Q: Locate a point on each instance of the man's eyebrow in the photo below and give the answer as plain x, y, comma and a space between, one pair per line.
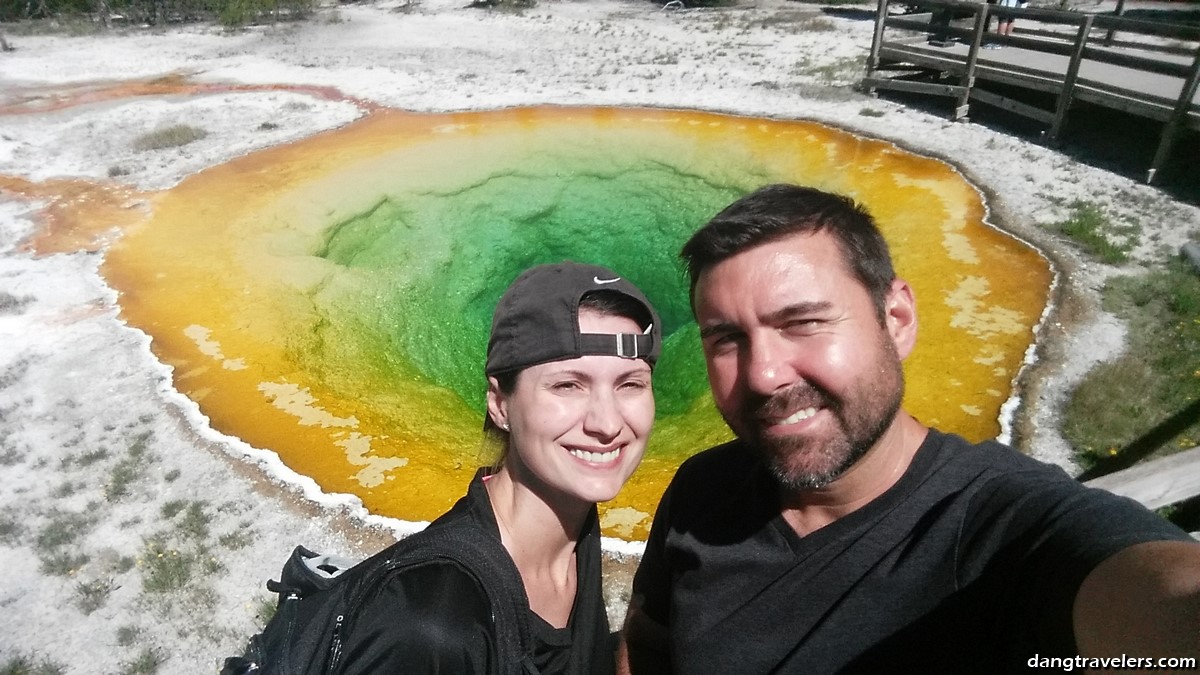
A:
798, 309
722, 328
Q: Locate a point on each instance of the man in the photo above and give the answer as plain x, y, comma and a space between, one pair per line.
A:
839, 534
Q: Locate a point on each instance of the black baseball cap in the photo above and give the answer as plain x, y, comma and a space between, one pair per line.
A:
537, 319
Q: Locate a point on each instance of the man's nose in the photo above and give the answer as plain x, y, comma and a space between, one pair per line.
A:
768, 366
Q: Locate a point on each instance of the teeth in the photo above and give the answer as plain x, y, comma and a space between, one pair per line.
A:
597, 457
798, 415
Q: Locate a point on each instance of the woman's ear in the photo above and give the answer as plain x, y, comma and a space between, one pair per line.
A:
497, 404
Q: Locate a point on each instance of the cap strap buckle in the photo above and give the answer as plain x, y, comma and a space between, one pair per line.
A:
627, 345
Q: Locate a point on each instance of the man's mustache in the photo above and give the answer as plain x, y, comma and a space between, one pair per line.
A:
787, 401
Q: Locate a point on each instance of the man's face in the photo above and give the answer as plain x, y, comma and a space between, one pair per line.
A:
798, 360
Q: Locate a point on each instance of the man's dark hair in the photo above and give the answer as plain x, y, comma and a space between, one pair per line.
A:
777, 211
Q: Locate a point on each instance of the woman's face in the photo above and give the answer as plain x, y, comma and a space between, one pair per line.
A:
577, 428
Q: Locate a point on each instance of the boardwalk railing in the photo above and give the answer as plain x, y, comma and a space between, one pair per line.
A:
1157, 483
1150, 69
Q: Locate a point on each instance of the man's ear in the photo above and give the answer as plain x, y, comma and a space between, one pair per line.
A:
900, 317
497, 404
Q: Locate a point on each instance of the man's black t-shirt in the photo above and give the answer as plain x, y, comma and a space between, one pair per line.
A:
970, 563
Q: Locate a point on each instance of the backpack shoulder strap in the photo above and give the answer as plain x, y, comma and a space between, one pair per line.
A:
480, 555
485, 558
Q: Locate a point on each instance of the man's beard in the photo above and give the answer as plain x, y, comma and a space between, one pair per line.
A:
862, 418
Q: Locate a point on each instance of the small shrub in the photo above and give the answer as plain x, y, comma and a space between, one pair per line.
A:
146, 663
172, 475
10, 529
64, 490
168, 137
871, 112
91, 595
127, 635
90, 458
11, 304
235, 541
171, 508
63, 529
120, 478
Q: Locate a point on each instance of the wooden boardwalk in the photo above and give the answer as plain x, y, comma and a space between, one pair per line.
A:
1157, 483
1149, 69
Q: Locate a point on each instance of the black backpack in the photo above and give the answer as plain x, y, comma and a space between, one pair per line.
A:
318, 596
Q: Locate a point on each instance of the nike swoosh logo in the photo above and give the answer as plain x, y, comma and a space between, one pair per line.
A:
605, 281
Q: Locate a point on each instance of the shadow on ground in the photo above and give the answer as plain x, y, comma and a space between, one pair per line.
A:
1116, 141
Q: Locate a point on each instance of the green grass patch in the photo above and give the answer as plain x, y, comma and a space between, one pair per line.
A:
168, 137
1158, 376
166, 569
63, 529
195, 521
29, 665
130, 469
1090, 227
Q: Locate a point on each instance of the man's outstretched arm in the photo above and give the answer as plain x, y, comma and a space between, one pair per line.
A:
643, 648
1142, 601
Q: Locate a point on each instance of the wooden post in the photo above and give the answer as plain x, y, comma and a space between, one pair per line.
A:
1120, 11
876, 40
1173, 125
968, 81
1064, 97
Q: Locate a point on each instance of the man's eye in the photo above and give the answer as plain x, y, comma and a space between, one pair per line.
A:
801, 325
722, 343
566, 385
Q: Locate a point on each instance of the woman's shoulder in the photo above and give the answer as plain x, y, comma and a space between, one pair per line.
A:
430, 614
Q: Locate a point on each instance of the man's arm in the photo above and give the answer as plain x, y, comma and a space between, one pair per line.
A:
1142, 601
643, 648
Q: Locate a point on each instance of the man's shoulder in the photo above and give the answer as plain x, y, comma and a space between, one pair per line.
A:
990, 459
718, 464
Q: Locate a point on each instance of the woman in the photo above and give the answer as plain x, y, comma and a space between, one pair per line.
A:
569, 398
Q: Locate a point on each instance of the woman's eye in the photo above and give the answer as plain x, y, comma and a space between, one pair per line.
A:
568, 385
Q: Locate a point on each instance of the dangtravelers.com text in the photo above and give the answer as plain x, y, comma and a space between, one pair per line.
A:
1069, 663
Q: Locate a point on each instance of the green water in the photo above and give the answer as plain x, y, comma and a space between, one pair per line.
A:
435, 265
